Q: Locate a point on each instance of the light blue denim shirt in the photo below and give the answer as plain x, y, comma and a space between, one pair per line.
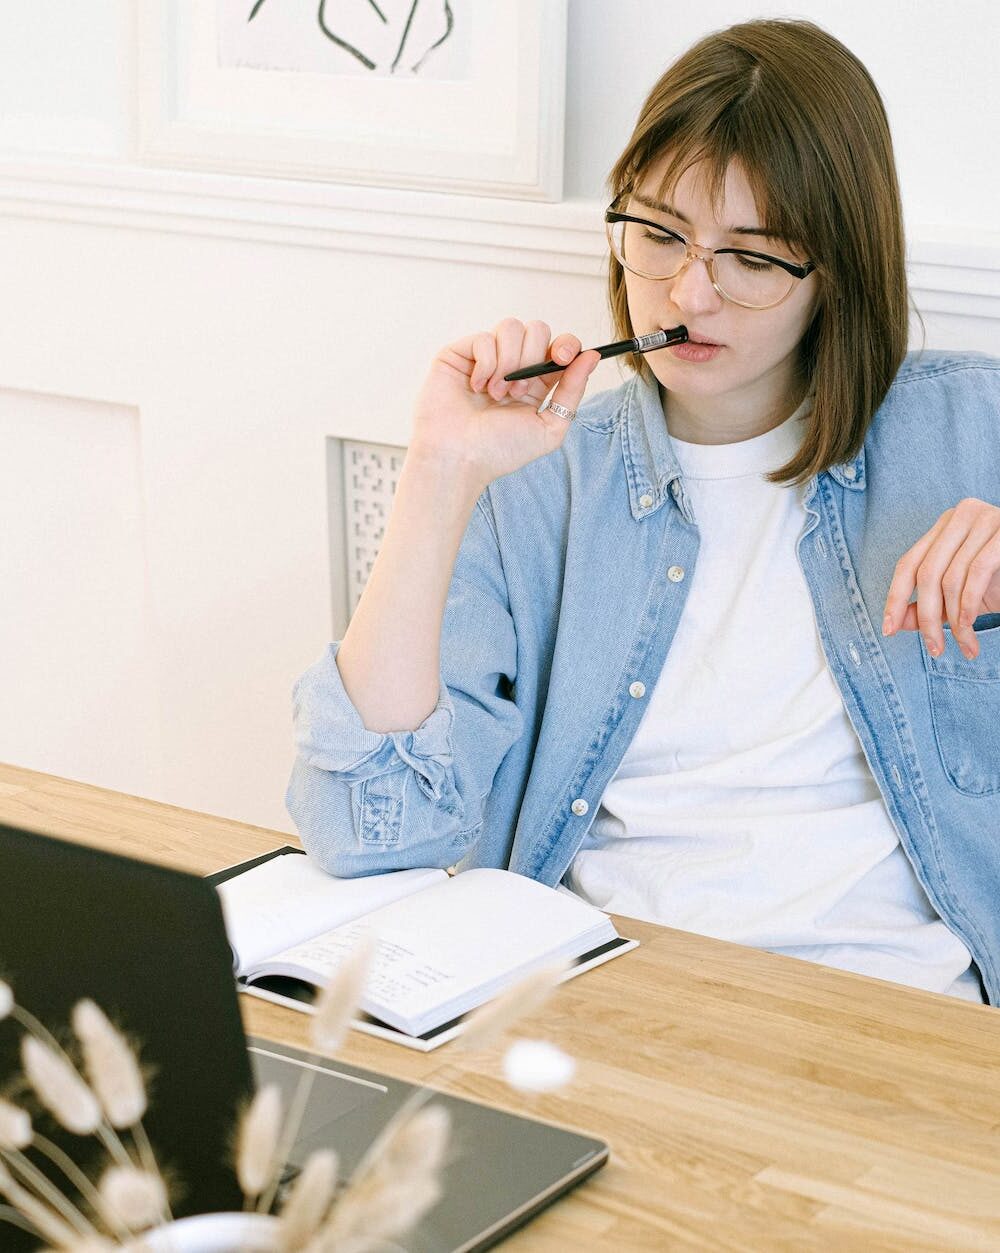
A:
571, 578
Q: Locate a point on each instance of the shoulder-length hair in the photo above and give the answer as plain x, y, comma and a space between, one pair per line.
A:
805, 121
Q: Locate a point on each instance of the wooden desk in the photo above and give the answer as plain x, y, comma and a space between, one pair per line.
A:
751, 1101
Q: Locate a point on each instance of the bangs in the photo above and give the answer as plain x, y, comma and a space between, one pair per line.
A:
711, 133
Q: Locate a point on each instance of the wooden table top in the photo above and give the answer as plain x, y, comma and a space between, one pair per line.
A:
750, 1101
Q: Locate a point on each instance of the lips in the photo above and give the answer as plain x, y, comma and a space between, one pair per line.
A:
693, 339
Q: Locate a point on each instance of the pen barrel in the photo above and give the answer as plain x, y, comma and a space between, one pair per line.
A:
533, 371
640, 343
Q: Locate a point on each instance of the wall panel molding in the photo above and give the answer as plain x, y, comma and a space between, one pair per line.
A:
952, 276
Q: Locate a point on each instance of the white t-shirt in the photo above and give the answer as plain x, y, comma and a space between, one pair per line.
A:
744, 807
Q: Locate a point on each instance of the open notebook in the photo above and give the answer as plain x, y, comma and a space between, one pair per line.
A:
447, 943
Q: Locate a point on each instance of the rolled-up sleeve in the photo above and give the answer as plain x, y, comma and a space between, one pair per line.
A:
367, 801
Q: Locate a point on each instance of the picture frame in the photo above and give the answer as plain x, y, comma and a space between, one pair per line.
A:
223, 94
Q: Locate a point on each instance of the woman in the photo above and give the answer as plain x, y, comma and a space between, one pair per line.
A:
637, 645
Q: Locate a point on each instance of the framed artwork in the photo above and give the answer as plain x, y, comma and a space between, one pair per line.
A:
448, 95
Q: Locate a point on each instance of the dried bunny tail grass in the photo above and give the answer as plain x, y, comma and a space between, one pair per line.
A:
115, 1076
111, 1066
397, 1209
83, 1184
257, 1141
398, 1189
133, 1196
419, 1144
15, 1126
46, 1223
338, 1002
91, 1244
308, 1201
335, 1008
53, 1062
486, 1025
60, 1088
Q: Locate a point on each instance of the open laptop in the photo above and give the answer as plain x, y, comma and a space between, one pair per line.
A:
148, 944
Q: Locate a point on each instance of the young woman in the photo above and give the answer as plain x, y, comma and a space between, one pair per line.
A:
637, 645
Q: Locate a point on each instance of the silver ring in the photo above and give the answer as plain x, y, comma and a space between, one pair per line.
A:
561, 410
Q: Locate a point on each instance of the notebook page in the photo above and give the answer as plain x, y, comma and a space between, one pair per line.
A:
288, 899
443, 944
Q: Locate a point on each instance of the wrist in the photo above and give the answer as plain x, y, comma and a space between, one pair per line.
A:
445, 469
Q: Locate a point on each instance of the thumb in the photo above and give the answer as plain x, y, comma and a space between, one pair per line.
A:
572, 383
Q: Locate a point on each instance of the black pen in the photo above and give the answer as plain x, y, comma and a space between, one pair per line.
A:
641, 343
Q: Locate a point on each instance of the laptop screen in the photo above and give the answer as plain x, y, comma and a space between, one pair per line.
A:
148, 945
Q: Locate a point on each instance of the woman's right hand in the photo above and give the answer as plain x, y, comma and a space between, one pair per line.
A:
466, 414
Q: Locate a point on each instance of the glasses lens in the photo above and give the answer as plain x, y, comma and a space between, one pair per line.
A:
651, 253
750, 281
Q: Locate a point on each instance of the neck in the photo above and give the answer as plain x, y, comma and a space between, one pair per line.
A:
729, 417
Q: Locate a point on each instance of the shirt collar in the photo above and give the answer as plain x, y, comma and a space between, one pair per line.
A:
651, 465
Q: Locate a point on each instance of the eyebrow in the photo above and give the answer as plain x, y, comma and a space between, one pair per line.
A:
662, 207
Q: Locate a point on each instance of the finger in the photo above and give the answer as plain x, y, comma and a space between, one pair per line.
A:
573, 383
534, 348
941, 574
904, 579
484, 354
563, 349
953, 585
981, 568
510, 340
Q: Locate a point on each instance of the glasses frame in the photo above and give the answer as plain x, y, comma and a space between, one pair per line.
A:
695, 252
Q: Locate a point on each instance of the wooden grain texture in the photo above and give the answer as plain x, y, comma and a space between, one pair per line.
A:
752, 1102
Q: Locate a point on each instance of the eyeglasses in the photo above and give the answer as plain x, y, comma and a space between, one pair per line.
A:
754, 280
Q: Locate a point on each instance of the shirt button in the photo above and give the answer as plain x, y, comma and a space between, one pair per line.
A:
849, 472
637, 690
675, 574
645, 501
579, 807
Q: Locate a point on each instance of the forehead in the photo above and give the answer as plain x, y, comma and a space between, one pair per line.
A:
691, 192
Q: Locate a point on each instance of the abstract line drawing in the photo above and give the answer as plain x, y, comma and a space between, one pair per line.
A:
411, 35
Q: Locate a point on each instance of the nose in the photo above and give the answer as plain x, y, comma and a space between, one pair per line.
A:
691, 290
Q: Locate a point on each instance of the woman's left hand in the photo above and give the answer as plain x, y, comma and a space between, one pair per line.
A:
955, 569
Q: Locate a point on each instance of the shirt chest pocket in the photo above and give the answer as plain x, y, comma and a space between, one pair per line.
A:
965, 709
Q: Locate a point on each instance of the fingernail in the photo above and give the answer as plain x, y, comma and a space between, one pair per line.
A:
930, 645
564, 353
887, 624
969, 654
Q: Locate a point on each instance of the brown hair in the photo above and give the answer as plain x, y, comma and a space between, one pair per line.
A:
804, 119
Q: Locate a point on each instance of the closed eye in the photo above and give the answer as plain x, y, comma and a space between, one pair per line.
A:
663, 237
748, 263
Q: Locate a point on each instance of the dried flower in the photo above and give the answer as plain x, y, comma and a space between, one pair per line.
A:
399, 1187
134, 1196
6, 999
111, 1066
60, 1088
537, 1066
338, 1002
15, 1126
308, 1200
90, 1244
257, 1140
36, 1212
488, 1024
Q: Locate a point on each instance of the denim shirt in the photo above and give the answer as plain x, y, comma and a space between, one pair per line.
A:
570, 581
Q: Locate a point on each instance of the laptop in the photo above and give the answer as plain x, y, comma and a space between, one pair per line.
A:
148, 944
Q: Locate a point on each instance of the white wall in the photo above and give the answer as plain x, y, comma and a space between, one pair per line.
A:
177, 347
935, 66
